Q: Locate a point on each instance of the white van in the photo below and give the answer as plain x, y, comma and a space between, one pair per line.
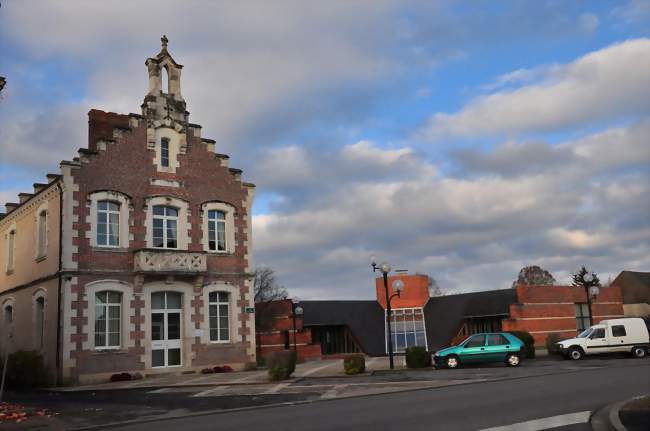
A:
614, 335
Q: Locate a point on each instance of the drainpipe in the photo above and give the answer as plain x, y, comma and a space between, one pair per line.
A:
59, 368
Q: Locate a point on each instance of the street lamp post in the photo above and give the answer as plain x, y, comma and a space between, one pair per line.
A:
591, 285
296, 310
398, 285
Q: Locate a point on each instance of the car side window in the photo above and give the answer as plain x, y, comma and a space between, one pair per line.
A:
476, 341
618, 331
497, 340
598, 333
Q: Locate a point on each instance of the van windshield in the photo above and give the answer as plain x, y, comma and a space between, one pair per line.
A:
585, 333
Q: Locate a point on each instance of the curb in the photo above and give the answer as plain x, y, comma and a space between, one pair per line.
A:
607, 418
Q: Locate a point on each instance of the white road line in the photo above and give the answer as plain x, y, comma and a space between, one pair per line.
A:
210, 392
159, 391
545, 423
276, 388
332, 393
317, 369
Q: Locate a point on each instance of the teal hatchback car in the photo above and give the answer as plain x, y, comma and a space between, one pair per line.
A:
481, 348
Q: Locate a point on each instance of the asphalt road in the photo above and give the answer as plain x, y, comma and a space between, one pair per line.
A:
467, 407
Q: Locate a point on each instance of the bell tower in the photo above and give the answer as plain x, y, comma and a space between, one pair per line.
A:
164, 103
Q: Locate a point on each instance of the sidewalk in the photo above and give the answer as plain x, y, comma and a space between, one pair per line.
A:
320, 368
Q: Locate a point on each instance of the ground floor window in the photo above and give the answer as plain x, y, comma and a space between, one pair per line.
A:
219, 317
582, 316
407, 325
107, 319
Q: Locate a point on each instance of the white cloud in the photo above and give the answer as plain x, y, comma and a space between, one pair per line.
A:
611, 82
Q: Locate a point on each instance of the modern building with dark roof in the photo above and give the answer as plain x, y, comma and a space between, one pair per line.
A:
340, 327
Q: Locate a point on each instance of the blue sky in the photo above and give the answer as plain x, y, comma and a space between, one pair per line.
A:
459, 139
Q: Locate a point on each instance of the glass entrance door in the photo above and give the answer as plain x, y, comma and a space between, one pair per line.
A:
166, 329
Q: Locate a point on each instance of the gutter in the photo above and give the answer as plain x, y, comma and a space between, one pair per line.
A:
59, 368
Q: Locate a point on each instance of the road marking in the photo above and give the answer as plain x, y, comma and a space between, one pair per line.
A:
332, 393
210, 392
276, 388
317, 369
159, 391
546, 423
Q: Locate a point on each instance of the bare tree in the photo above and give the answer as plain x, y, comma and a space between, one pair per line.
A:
534, 276
266, 288
434, 288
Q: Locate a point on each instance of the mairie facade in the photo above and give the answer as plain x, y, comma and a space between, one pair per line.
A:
135, 256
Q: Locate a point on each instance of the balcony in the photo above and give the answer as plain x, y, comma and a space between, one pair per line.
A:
162, 260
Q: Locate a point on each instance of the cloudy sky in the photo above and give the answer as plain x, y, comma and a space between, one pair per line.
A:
459, 139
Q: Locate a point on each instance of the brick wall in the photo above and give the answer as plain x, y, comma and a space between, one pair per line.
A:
274, 320
541, 310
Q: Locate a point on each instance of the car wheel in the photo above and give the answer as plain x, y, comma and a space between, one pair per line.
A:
452, 361
575, 353
638, 352
513, 360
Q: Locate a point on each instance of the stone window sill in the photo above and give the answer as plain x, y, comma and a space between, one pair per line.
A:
41, 258
109, 249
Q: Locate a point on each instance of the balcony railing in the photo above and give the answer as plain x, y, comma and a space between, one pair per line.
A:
152, 260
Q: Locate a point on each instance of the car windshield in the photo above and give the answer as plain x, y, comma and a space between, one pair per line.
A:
585, 333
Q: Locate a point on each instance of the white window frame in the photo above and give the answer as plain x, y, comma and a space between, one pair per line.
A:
234, 311
108, 213
229, 212
165, 220
393, 333
182, 226
107, 306
218, 328
163, 158
39, 340
123, 228
216, 222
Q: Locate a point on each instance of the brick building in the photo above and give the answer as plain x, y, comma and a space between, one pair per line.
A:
135, 257
435, 322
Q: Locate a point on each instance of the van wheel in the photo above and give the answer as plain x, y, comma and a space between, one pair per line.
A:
513, 360
452, 361
575, 353
638, 352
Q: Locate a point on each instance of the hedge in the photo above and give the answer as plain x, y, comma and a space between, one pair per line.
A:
25, 369
417, 357
354, 364
551, 343
529, 342
281, 364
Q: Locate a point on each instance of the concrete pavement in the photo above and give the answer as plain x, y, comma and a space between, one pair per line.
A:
463, 407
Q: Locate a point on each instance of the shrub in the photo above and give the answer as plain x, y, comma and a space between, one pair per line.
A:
25, 369
226, 369
281, 364
260, 361
120, 377
551, 343
529, 343
207, 371
417, 357
218, 369
354, 364
250, 366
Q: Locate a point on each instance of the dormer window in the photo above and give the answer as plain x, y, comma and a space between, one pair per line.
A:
164, 152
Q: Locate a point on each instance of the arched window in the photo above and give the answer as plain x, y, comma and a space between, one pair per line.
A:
11, 248
219, 317
41, 246
8, 315
164, 75
108, 312
39, 321
165, 226
108, 224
